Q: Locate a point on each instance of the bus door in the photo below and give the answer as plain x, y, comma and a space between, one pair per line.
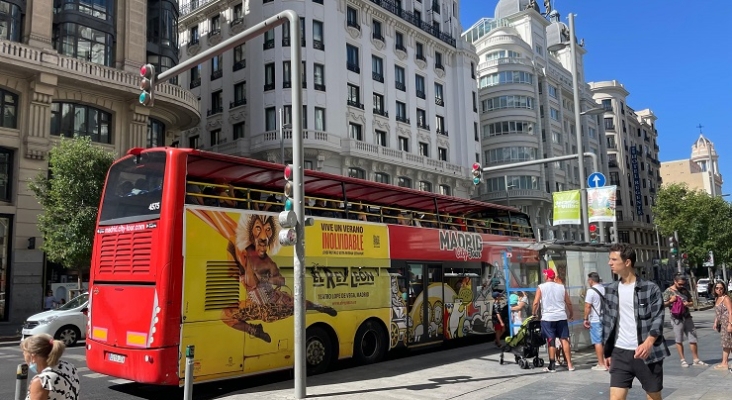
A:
424, 305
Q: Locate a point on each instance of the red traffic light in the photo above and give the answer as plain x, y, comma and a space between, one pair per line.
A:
147, 70
476, 166
288, 172
593, 228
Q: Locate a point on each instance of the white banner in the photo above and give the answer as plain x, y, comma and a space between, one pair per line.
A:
601, 204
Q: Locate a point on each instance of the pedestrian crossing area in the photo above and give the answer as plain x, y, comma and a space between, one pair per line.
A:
13, 354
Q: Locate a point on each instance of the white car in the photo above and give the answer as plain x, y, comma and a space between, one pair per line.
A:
701, 287
66, 323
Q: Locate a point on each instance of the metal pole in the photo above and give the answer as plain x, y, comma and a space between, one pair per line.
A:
710, 168
188, 382
282, 139
299, 197
679, 266
505, 183
578, 126
21, 382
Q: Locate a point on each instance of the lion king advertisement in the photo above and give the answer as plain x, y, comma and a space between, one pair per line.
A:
238, 286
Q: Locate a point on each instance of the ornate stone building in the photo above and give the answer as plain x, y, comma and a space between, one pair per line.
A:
700, 172
69, 68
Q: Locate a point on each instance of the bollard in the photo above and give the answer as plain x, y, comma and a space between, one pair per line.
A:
21, 382
188, 382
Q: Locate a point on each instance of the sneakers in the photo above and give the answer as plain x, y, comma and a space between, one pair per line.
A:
599, 367
547, 369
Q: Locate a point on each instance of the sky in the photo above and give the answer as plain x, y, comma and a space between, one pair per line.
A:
673, 57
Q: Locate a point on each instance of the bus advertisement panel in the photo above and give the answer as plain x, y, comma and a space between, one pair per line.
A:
238, 289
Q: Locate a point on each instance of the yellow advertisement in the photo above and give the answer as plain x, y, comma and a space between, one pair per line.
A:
238, 284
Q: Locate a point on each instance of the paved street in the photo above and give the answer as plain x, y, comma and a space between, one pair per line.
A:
462, 372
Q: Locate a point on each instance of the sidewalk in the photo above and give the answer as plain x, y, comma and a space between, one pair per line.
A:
473, 372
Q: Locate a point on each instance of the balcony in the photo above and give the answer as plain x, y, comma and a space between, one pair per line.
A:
377, 77
439, 101
214, 32
236, 21
240, 65
285, 42
422, 125
193, 42
216, 74
396, 8
320, 87
612, 164
237, 103
286, 85
318, 45
268, 44
421, 94
401, 118
270, 140
372, 151
381, 111
195, 83
400, 86
400, 47
610, 128
441, 132
378, 36
353, 67
421, 57
269, 86
516, 194
354, 103
353, 24
214, 111
439, 65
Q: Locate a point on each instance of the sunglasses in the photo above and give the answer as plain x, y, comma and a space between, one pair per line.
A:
718, 288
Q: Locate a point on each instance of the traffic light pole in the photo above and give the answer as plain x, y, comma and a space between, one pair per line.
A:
297, 158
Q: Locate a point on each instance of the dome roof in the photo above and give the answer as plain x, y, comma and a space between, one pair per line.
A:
506, 8
701, 146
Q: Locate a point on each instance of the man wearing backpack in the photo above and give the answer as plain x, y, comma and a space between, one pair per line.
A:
678, 298
593, 309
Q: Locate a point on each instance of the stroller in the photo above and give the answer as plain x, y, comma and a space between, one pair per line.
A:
525, 344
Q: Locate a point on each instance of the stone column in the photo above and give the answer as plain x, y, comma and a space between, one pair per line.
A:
39, 19
136, 135
35, 137
131, 46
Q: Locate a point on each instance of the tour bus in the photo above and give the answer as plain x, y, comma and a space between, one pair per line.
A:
186, 253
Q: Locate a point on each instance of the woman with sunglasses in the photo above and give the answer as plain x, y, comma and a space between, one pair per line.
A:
723, 322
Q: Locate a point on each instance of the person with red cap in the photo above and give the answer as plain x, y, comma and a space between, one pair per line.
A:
556, 310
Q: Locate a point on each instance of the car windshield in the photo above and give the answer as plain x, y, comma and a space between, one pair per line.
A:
76, 302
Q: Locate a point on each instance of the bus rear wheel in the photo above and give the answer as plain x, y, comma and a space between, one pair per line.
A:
370, 343
318, 351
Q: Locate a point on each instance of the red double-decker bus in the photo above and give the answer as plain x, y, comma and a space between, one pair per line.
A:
186, 253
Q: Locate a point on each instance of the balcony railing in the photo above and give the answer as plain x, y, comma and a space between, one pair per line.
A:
396, 8
439, 101
236, 21
240, 65
286, 85
318, 45
442, 132
237, 103
421, 57
195, 83
320, 86
353, 24
400, 86
216, 74
421, 94
377, 77
400, 47
381, 111
354, 103
214, 32
285, 42
268, 44
269, 86
193, 42
439, 66
402, 118
422, 125
353, 67
214, 111
378, 36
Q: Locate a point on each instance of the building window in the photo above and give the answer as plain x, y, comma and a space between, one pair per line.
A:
8, 109
399, 78
155, 133
215, 137
422, 119
286, 34
419, 52
511, 154
445, 190
84, 43
270, 119
11, 20
511, 101
286, 75
216, 71
505, 77
554, 113
377, 69
6, 224
419, 86
382, 178
269, 40
404, 144
609, 124
269, 76
352, 18
319, 77
403, 181
318, 42
239, 61
356, 173
425, 186
354, 131
438, 60
424, 149
193, 142
240, 95
379, 108
303, 39
442, 154
69, 119
217, 103
354, 96
475, 131
381, 138
399, 41
320, 119
401, 112
352, 59
6, 176
440, 125
438, 95
238, 130
553, 91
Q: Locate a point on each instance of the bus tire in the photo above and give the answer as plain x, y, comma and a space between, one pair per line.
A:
318, 350
370, 343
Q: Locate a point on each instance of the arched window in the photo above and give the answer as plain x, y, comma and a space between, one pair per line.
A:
69, 119
155, 133
11, 20
356, 173
8, 109
425, 186
382, 178
404, 182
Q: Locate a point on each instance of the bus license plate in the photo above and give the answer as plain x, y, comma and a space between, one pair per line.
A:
118, 358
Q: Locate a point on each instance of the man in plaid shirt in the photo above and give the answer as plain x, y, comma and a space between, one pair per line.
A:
632, 322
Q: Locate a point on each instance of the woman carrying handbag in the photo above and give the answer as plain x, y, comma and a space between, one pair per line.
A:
723, 322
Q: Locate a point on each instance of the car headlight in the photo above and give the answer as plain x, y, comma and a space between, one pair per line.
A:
47, 320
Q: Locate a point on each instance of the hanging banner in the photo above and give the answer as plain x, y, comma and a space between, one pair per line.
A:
601, 204
567, 209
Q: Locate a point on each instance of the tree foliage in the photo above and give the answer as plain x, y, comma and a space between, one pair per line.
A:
70, 197
703, 222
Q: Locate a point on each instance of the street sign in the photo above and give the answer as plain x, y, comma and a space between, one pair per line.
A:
596, 179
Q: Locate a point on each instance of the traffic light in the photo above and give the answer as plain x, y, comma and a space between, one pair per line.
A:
674, 245
477, 173
288, 218
593, 233
147, 84
613, 235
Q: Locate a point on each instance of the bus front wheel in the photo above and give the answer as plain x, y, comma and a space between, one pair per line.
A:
318, 350
370, 343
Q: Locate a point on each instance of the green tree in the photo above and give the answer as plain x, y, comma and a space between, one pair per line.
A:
702, 222
69, 196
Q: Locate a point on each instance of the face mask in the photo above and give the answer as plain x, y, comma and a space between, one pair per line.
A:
33, 368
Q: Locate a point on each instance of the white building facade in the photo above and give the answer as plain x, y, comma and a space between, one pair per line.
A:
526, 106
389, 90
632, 141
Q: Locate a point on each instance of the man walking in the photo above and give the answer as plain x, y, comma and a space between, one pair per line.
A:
556, 309
632, 322
593, 308
682, 322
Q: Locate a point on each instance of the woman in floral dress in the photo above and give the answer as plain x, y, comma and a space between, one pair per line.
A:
723, 322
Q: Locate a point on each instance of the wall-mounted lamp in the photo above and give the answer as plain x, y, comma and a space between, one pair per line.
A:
31, 243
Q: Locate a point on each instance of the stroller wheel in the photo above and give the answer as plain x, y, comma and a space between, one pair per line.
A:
517, 358
541, 362
522, 363
536, 362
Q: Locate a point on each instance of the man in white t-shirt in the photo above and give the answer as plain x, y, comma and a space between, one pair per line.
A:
556, 309
593, 308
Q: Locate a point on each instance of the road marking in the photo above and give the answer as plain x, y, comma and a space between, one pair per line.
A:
8, 356
82, 369
17, 349
94, 376
120, 381
76, 357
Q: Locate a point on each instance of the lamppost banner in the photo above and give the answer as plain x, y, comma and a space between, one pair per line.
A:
567, 209
601, 204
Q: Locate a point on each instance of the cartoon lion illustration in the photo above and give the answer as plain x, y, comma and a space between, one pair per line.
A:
251, 242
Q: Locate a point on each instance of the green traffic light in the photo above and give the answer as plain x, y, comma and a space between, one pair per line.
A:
476, 180
144, 98
288, 204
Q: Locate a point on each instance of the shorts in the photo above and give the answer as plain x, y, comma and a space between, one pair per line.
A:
684, 326
555, 329
497, 326
596, 332
624, 367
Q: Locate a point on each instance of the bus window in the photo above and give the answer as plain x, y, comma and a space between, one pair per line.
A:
134, 189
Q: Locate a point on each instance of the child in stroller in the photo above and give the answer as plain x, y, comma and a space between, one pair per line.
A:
525, 344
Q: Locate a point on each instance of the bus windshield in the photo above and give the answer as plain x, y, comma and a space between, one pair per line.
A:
134, 189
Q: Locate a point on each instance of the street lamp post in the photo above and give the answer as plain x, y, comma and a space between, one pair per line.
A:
505, 183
